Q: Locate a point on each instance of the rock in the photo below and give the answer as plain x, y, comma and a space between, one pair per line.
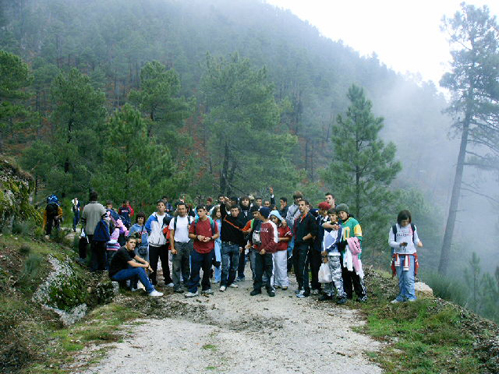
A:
16, 187
423, 290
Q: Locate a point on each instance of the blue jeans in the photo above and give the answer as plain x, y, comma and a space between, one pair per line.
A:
406, 279
230, 253
131, 273
200, 261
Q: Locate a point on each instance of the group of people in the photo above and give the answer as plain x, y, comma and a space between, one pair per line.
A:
221, 239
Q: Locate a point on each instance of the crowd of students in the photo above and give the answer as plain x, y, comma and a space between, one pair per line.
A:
222, 239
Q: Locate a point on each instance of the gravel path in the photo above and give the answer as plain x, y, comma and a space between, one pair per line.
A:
233, 332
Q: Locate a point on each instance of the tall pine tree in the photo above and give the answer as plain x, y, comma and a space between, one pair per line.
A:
363, 167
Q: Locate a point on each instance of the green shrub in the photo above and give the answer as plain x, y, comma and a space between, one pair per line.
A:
25, 250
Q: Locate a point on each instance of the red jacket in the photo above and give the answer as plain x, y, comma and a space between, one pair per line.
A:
269, 237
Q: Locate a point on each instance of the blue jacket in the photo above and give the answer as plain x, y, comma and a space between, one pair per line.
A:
101, 233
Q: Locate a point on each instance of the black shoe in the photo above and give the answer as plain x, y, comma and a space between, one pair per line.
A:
178, 290
341, 301
255, 292
325, 297
271, 293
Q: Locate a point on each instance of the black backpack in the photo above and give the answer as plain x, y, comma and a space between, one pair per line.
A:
52, 209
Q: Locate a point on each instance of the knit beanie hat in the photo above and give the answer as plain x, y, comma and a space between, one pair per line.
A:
264, 211
342, 208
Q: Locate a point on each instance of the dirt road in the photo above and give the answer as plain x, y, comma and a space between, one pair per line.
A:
233, 332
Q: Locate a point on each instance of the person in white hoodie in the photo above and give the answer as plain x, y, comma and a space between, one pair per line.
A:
403, 238
158, 245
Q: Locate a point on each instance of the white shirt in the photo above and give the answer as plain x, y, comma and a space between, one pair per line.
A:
182, 231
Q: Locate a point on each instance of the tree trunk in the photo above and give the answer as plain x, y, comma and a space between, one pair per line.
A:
454, 202
224, 172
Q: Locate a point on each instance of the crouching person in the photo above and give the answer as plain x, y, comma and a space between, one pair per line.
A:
126, 265
204, 233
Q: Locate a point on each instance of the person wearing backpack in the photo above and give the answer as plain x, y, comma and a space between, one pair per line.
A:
181, 246
203, 231
52, 214
91, 215
403, 238
158, 244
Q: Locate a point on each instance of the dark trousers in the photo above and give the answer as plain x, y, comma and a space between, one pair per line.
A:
263, 265
242, 265
83, 245
159, 253
349, 279
300, 264
315, 264
200, 261
76, 219
51, 223
98, 250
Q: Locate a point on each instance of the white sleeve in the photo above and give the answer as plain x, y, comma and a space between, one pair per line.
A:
392, 240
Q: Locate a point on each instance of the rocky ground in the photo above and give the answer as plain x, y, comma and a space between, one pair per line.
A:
233, 332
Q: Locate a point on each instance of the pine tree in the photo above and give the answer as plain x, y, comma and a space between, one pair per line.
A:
474, 84
246, 151
363, 167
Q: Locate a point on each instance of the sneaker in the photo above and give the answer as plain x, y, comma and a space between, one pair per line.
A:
233, 285
395, 301
284, 288
362, 299
303, 294
209, 291
298, 291
155, 293
178, 290
240, 279
315, 292
223, 288
255, 292
325, 297
411, 300
271, 293
135, 289
169, 284
341, 300
191, 294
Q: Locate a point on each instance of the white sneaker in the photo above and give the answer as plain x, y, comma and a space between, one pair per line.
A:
155, 293
233, 285
135, 289
170, 285
223, 288
314, 292
209, 291
395, 301
191, 294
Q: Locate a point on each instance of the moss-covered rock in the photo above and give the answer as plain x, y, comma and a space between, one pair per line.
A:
16, 187
64, 291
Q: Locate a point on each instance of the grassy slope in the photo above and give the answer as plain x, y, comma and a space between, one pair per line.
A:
428, 336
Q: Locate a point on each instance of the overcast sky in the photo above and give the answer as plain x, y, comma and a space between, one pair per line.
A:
405, 34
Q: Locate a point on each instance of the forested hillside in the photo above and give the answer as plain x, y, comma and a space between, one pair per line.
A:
111, 41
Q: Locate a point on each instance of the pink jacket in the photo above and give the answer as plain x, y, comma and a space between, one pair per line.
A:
355, 249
